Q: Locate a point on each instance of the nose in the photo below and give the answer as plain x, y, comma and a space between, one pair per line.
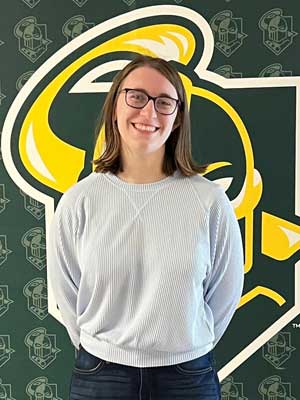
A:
149, 109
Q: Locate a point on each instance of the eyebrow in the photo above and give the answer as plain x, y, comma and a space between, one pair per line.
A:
161, 94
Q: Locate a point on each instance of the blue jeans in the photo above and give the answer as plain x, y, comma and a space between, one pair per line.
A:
97, 379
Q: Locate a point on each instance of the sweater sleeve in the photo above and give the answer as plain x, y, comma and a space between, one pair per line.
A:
63, 267
224, 283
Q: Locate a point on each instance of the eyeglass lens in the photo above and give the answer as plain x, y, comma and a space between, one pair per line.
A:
163, 105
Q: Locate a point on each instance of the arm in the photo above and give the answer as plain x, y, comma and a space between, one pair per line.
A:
224, 283
63, 268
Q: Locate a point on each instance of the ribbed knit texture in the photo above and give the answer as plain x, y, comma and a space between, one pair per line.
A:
146, 274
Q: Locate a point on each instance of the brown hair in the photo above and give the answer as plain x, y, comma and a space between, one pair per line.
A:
177, 146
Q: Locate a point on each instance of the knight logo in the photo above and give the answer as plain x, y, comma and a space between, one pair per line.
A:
41, 347
277, 30
129, 2
5, 391
2, 95
75, 26
5, 349
80, 3
5, 301
273, 388
41, 388
3, 199
45, 153
4, 251
23, 79
278, 349
275, 69
34, 207
31, 3
232, 390
227, 72
32, 38
34, 242
36, 293
228, 32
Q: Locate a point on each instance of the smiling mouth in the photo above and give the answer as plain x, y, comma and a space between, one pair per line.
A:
145, 128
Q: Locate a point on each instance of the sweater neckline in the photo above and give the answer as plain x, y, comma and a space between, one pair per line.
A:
141, 187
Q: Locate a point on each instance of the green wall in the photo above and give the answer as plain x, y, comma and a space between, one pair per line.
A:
251, 124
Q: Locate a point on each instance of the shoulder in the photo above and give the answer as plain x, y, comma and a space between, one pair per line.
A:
79, 191
214, 197
219, 208
207, 191
203, 183
71, 208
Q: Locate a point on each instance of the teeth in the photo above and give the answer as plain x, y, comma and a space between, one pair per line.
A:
143, 127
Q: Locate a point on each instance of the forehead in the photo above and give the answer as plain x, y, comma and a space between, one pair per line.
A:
149, 79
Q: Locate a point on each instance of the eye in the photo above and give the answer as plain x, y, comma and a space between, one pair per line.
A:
165, 102
138, 96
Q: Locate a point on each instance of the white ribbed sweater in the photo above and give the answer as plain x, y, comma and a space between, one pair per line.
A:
145, 274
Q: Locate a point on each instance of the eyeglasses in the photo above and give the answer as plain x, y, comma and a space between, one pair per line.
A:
137, 99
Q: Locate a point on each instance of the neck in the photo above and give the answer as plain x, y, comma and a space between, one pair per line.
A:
142, 168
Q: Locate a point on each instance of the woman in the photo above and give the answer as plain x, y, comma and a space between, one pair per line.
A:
145, 253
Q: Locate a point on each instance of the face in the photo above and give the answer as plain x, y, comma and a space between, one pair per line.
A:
145, 130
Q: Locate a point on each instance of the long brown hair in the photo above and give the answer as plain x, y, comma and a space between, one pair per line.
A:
178, 145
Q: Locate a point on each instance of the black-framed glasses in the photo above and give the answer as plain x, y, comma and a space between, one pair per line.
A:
137, 99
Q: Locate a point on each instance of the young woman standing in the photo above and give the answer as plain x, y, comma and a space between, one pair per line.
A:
145, 253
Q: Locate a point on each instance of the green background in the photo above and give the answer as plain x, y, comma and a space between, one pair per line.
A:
269, 115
